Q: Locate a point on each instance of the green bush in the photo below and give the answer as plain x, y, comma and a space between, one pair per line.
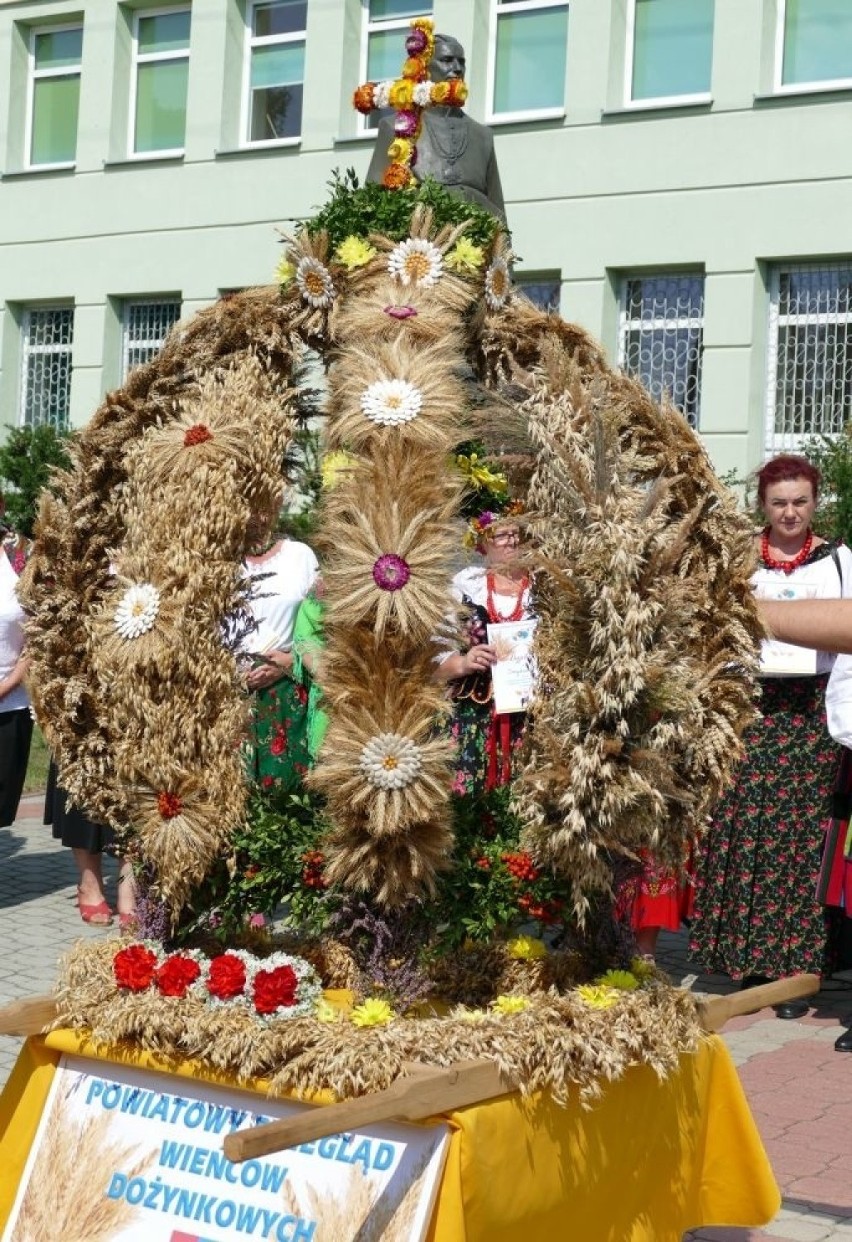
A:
28, 457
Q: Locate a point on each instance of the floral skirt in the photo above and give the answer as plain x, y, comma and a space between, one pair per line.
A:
278, 755
660, 897
756, 905
486, 746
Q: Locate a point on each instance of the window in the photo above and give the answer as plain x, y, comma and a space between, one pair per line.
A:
661, 334
54, 95
48, 333
385, 25
543, 291
276, 69
160, 73
669, 49
145, 326
529, 47
814, 43
809, 390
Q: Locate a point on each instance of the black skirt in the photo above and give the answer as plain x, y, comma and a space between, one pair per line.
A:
70, 825
16, 730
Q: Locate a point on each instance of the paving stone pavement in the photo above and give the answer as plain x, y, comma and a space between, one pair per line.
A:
799, 1088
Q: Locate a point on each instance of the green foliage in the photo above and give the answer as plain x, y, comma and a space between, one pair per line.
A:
832, 455
304, 473
27, 459
356, 210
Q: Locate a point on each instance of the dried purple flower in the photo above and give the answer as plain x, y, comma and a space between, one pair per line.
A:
400, 312
391, 572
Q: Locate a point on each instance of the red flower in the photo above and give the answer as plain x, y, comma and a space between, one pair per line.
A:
274, 988
176, 974
266, 781
277, 746
227, 977
196, 434
134, 967
301, 694
168, 804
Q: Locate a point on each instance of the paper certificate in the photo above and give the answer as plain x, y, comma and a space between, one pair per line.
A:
784, 659
513, 676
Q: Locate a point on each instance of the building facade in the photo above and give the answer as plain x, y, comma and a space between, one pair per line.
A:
675, 172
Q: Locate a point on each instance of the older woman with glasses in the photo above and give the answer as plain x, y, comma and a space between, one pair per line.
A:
498, 589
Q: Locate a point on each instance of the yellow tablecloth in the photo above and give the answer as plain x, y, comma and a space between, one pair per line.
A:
647, 1162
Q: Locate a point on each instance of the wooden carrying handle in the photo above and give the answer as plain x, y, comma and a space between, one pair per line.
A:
716, 1012
425, 1093
27, 1017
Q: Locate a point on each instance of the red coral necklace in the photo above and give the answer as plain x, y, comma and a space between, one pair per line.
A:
493, 612
786, 567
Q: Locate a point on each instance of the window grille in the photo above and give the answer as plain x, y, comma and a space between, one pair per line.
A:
543, 291
54, 95
48, 334
276, 69
384, 24
527, 57
809, 385
146, 325
661, 335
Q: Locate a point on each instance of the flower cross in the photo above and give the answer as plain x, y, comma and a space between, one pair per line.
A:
409, 94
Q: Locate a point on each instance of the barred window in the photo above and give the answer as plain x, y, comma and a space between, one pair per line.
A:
809, 389
384, 25
542, 290
661, 336
146, 324
48, 334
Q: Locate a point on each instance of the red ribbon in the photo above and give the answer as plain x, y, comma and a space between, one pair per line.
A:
498, 748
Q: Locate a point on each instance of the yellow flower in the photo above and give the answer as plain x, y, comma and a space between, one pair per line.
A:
510, 1004
354, 252
481, 476
465, 256
372, 1013
285, 271
597, 997
641, 969
470, 1015
526, 948
333, 464
399, 151
401, 94
326, 1012
440, 92
621, 980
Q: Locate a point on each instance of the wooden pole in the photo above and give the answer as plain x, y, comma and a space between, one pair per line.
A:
27, 1017
714, 1013
425, 1093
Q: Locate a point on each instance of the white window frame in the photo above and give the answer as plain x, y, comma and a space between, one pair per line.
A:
798, 88
251, 42
28, 350
779, 441
658, 101
34, 75
377, 26
527, 114
661, 323
147, 58
163, 299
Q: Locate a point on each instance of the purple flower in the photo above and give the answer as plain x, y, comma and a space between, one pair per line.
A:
405, 125
416, 43
390, 572
400, 312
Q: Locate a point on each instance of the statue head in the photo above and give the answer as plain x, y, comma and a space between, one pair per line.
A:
448, 61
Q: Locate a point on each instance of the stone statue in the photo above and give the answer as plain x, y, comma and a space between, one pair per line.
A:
452, 148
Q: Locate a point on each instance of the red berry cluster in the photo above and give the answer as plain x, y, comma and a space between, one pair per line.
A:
168, 804
541, 911
196, 434
521, 867
312, 873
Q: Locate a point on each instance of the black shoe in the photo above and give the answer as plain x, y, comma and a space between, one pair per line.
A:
791, 1009
843, 1043
753, 981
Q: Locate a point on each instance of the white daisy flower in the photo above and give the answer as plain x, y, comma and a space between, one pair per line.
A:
417, 262
381, 94
498, 284
422, 94
390, 761
137, 610
314, 281
390, 402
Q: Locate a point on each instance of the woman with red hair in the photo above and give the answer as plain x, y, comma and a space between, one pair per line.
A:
757, 915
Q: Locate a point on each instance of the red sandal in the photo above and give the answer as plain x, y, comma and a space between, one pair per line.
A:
99, 915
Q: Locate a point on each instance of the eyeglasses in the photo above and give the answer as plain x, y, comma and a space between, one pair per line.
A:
507, 536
